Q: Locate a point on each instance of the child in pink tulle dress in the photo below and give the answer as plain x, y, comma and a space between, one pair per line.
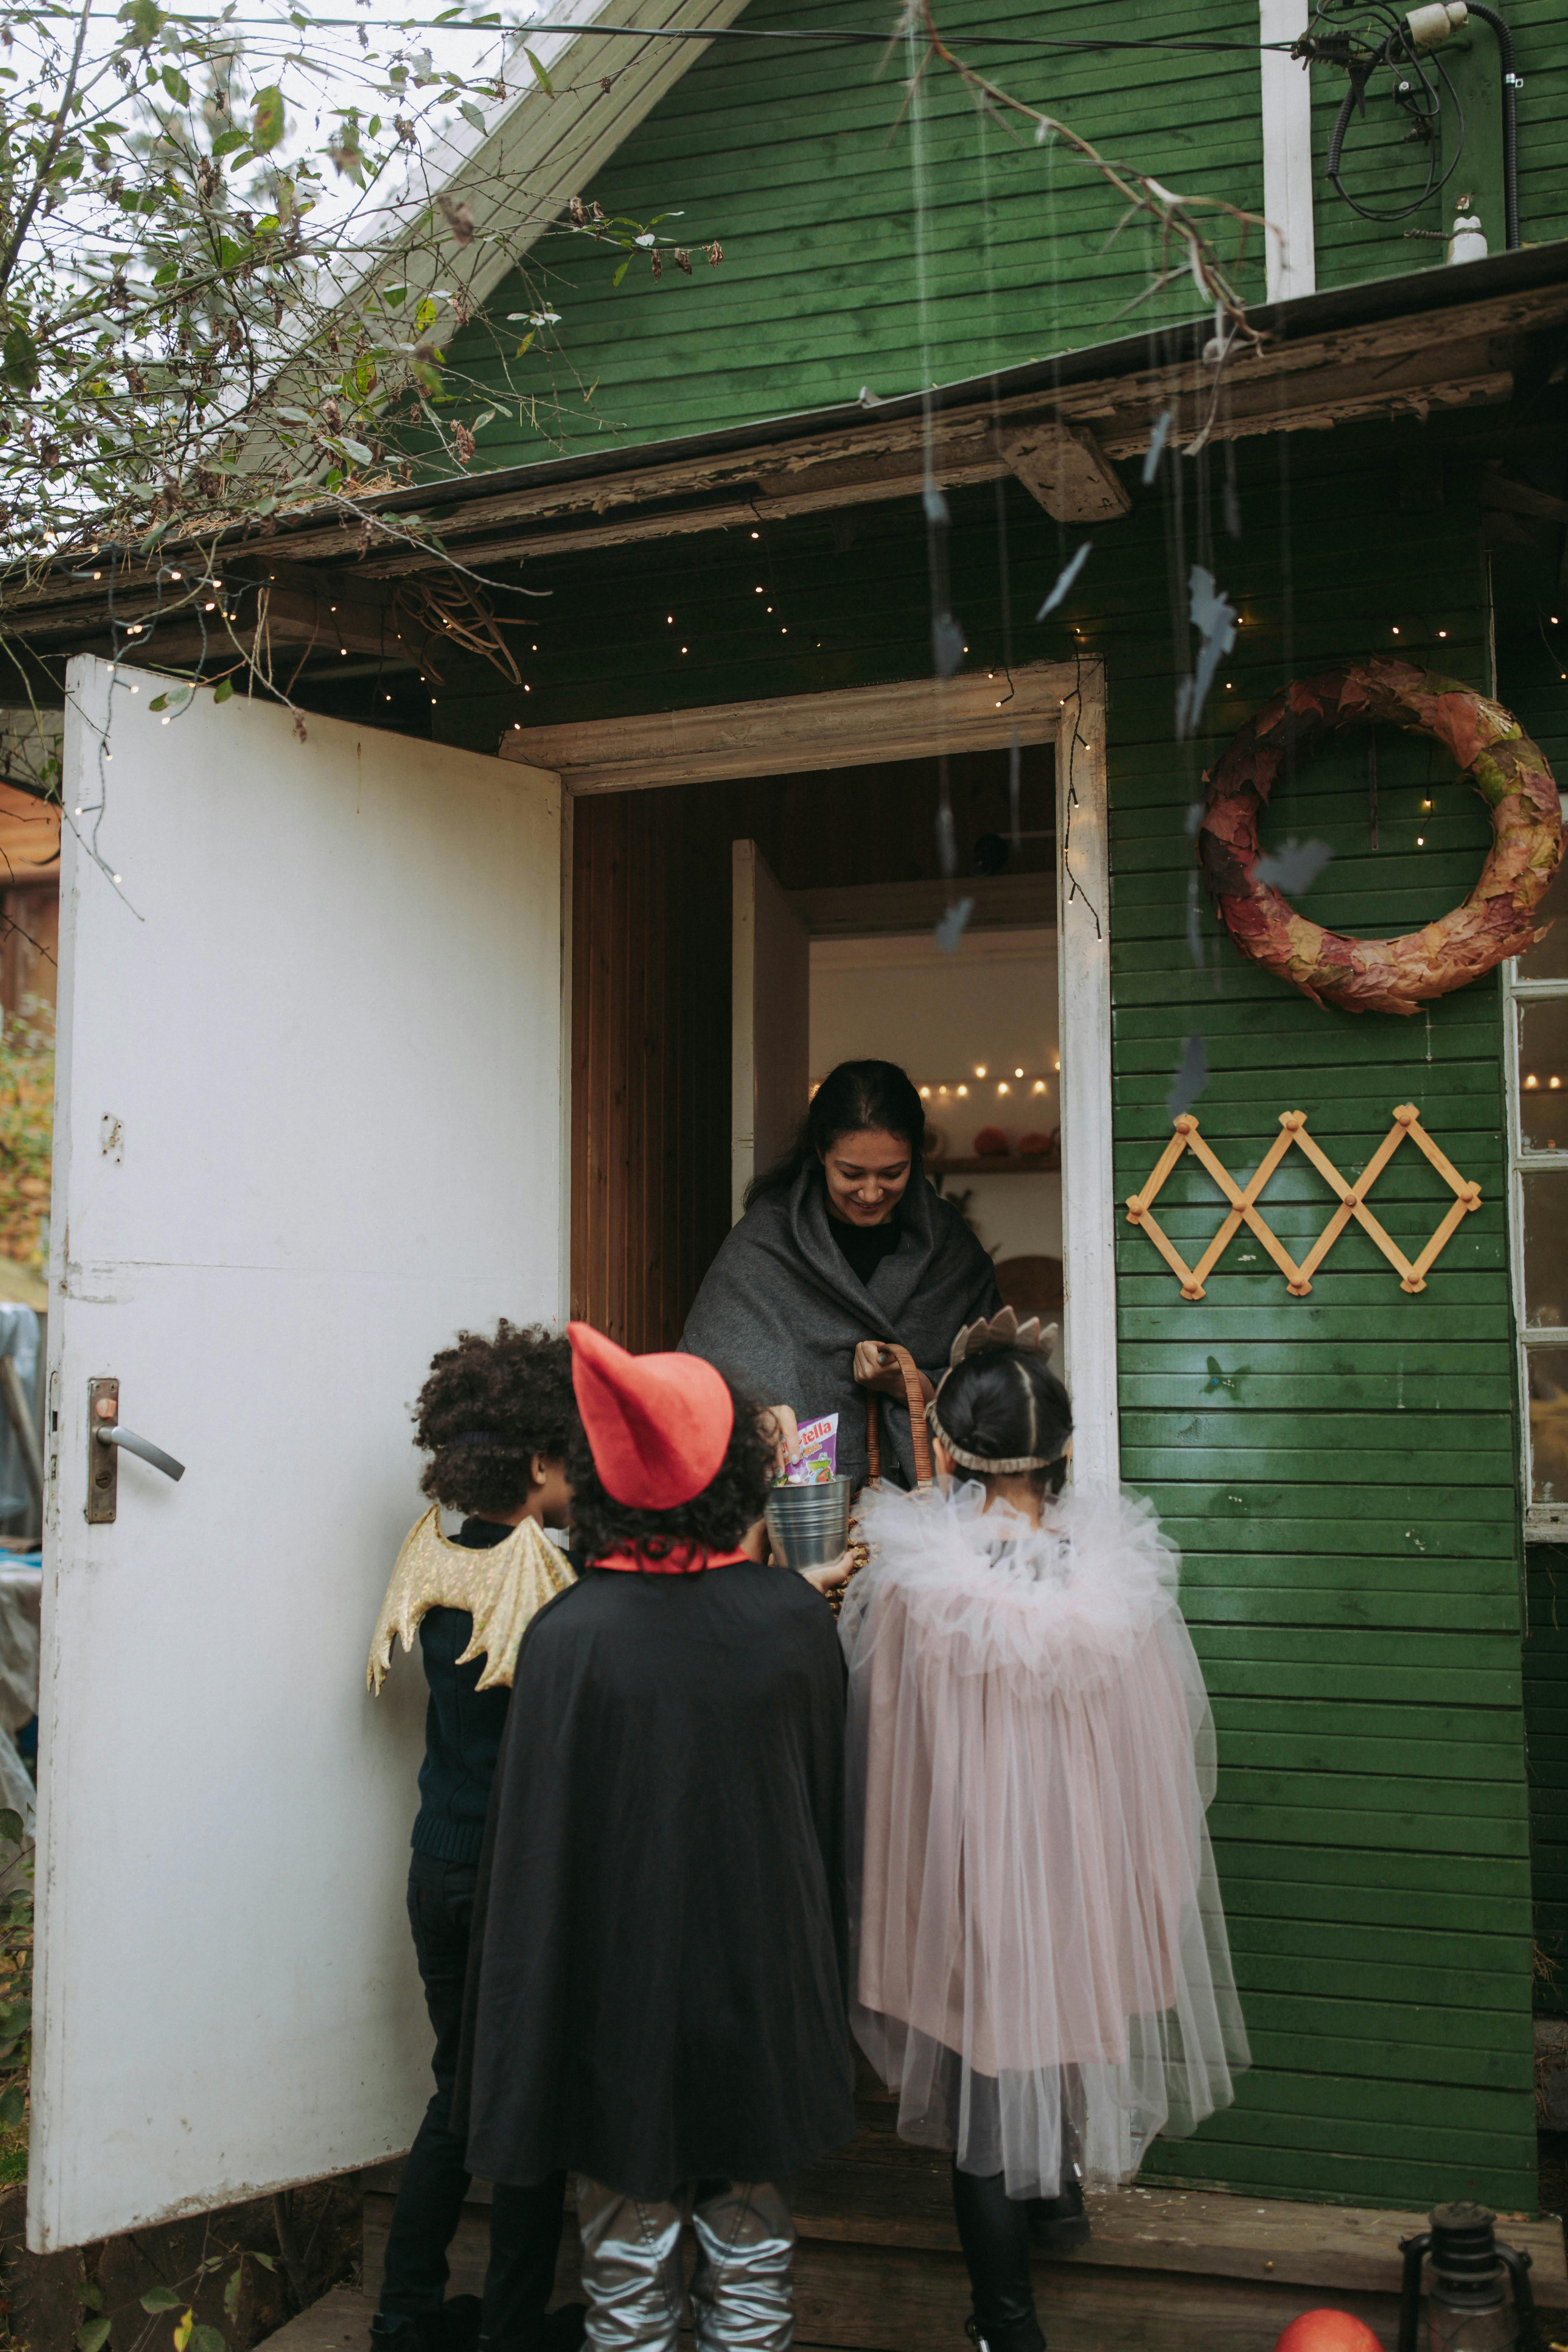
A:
1041, 1969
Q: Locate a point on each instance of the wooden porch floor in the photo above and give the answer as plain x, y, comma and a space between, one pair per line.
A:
878, 2268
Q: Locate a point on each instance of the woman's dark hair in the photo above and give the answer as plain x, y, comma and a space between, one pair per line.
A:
717, 1518
853, 1097
983, 1407
488, 1408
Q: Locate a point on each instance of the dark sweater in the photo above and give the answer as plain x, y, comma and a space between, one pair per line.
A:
463, 1726
865, 1246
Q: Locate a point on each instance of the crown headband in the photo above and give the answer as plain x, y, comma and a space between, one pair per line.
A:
1002, 1330
983, 1338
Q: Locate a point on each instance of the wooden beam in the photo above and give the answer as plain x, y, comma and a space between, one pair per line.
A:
1064, 468
1499, 490
270, 608
1061, 443
863, 726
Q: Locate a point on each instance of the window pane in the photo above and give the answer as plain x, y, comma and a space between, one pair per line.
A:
1548, 1424
1549, 960
1544, 1076
1546, 1251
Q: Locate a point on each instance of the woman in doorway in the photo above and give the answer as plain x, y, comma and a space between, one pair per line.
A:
844, 1249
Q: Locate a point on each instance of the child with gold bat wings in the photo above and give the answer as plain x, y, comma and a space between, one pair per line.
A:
496, 1417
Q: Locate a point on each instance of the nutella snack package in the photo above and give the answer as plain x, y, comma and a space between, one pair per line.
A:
819, 1458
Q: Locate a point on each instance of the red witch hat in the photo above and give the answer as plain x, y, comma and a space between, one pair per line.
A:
659, 1426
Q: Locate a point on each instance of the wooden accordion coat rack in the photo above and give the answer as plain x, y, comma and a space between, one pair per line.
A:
1243, 1209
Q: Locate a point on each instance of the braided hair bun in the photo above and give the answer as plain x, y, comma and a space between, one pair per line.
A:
1004, 1405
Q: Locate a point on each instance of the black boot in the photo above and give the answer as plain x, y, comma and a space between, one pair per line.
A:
1023, 2336
453, 2327
993, 2231
1059, 2224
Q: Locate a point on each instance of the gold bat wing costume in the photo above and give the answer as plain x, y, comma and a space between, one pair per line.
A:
502, 1588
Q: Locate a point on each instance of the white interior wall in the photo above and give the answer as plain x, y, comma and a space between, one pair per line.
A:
990, 1006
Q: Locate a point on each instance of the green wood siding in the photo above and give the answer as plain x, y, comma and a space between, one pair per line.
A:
1346, 1501
1546, 1716
788, 160
827, 218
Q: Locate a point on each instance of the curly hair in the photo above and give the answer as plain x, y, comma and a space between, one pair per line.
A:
717, 1518
488, 1407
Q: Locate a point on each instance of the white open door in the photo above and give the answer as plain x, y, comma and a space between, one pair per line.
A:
309, 1124
770, 1006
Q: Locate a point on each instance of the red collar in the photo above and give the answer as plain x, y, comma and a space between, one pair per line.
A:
686, 1559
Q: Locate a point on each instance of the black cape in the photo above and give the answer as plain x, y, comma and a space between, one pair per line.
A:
659, 1987
781, 1309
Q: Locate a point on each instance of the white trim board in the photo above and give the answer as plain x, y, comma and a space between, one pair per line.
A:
1060, 703
865, 726
1291, 264
535, 152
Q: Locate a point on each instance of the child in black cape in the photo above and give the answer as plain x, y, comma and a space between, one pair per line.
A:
496, 1417
659, 2003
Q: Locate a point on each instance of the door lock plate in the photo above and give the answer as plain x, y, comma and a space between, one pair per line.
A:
102, 1461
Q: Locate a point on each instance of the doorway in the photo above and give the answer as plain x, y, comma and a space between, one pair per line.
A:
851, 838
652, 1001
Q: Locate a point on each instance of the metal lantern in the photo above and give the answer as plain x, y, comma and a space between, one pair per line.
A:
1467, 2309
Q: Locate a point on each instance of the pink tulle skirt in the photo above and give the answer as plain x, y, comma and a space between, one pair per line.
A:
1041, 1967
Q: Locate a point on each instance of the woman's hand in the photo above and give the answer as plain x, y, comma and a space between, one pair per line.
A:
875, 1367
832, 1576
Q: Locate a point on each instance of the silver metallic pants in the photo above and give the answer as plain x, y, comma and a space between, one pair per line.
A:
741, 2299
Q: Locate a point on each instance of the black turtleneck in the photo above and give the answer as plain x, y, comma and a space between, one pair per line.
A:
864, 1246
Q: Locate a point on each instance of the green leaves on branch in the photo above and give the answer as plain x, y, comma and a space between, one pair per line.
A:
144, 22
19, 359
181, 343
267, 124
161, 2298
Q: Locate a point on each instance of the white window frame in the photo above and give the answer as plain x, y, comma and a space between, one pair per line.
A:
1543, 1522
1059, 703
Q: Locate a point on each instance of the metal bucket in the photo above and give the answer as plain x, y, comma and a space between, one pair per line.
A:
809, 1525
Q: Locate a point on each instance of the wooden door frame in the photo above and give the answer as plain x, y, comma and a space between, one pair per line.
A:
1060, 703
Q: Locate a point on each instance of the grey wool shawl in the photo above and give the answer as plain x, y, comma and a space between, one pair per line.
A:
781, 1309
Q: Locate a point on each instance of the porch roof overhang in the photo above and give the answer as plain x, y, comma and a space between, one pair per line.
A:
1446, 338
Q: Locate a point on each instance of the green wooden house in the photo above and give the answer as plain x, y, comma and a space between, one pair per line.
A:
717, 542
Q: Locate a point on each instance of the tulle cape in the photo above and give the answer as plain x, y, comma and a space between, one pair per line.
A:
1040, 1958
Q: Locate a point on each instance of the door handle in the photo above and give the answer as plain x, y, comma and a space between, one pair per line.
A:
107, 1440
120, 1436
